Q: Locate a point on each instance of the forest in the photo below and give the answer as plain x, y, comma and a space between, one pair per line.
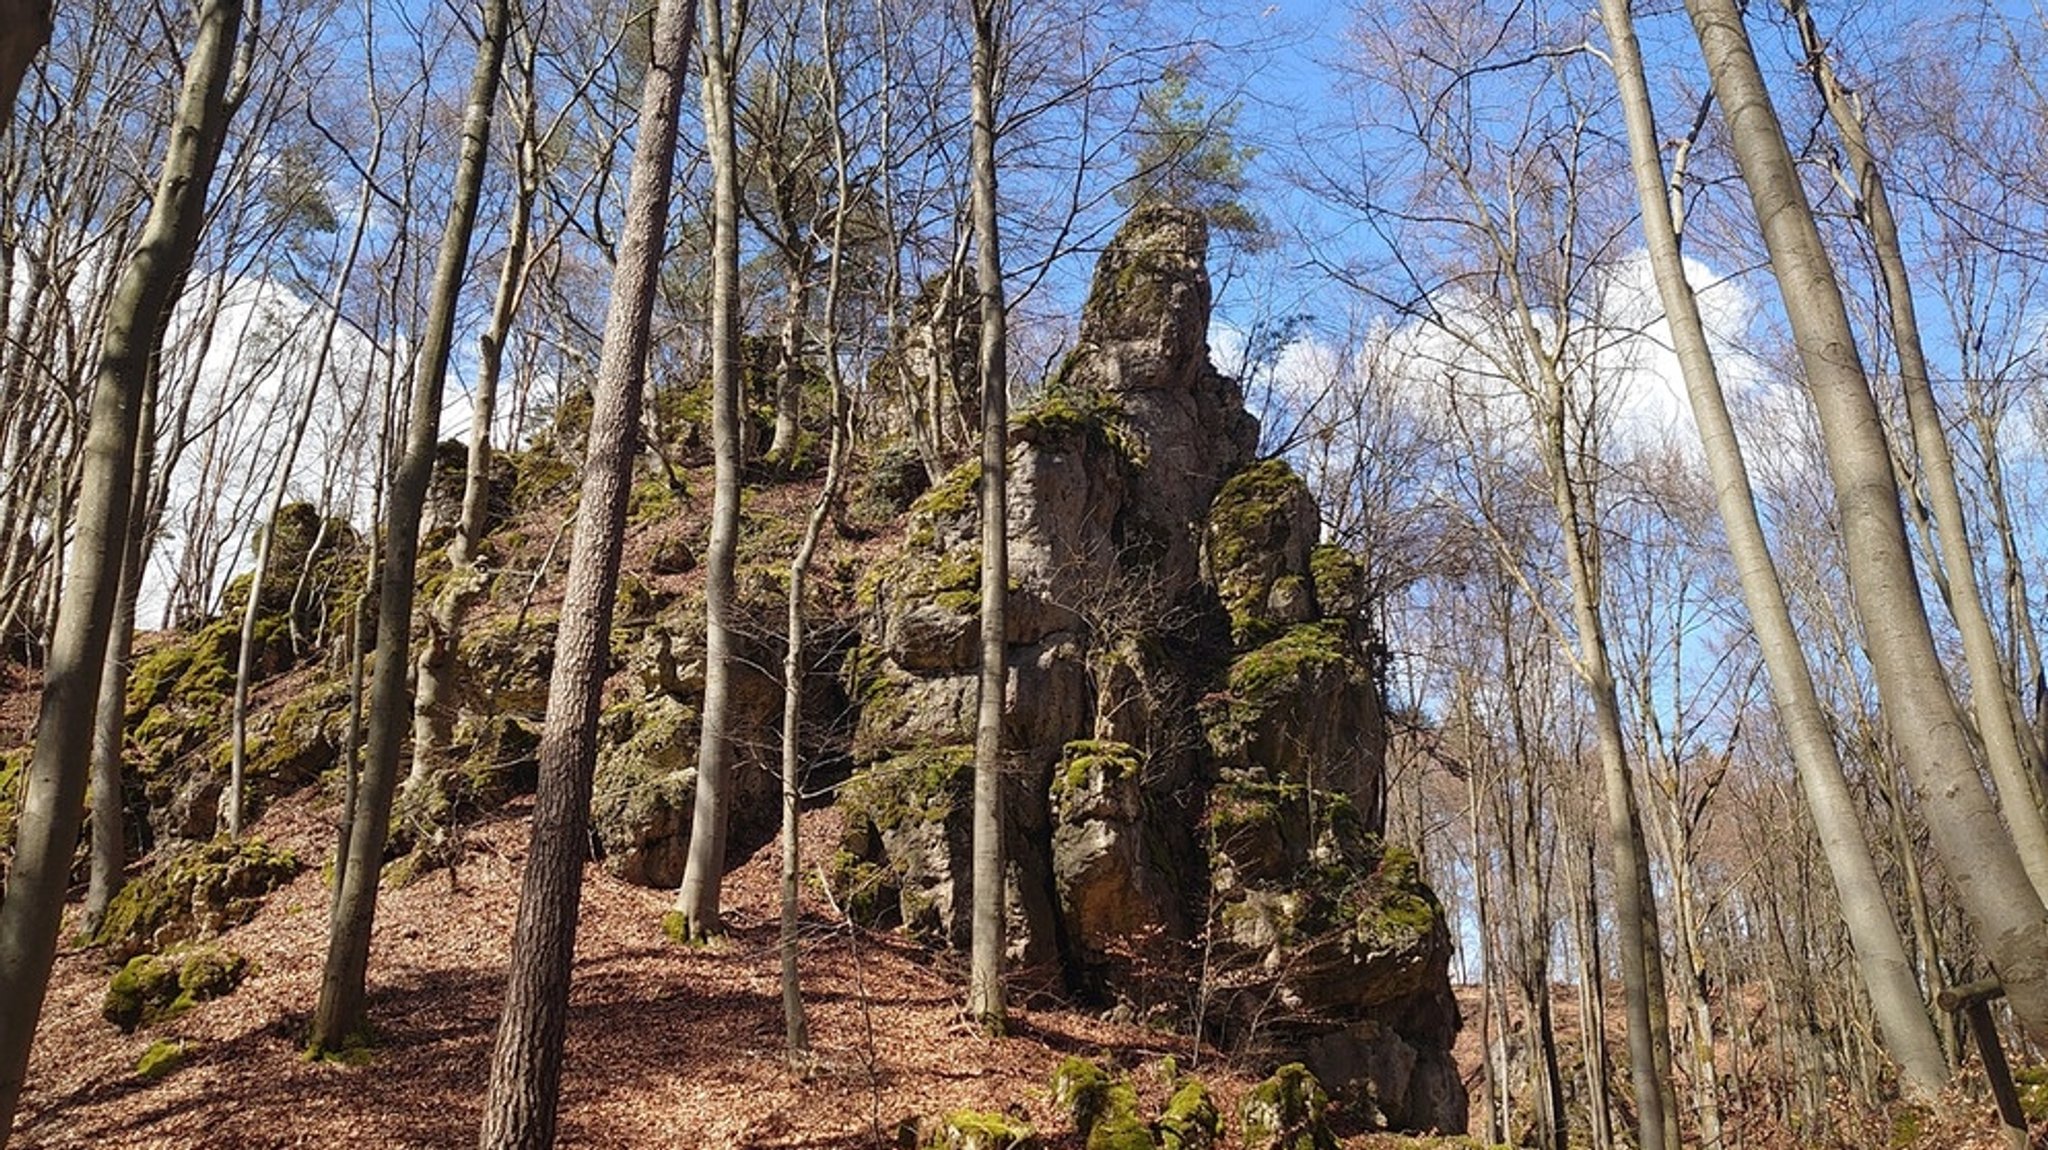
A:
989, 574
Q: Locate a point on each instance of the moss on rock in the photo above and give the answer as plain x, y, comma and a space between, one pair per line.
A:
1288, 1112
980, 1130
1260, 528
164, 1057
154, 988
1191, 1120
195, 892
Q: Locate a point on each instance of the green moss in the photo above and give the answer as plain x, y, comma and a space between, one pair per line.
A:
1249, 525
1339, 579
926, 784
163, 1058
1274, 675
1246, 507
1394, 906
1191, 1120
1288, 1112
978, 1130
153, 988
1084, 759
863, 888
1908, 1120
13, 782
2032, 1083
956, 494
1080, 1086
1067, 413
197, 891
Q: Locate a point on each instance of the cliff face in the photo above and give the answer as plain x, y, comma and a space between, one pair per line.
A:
1193, 719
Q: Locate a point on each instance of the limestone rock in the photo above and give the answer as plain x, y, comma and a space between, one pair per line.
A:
1288, 1112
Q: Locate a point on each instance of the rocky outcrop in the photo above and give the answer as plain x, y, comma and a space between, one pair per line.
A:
1193, 721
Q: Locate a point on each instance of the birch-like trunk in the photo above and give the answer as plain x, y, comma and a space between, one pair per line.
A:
1978, 853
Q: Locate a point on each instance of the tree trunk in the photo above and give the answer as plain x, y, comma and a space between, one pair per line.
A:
985, 999
25, 27
338, 1019
1999, 721
1881, 953
433, 713
526, 1060
109, 806
1982, 863
704, 870
46, 833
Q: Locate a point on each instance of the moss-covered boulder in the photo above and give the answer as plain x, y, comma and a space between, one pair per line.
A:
1191, 1120
1103, 1105
165, 1057
979, 1130
1288, 1111
193, 892
153, 988
644, 791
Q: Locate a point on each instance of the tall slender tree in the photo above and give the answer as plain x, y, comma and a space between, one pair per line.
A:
1881, 953
704, 871
1977, 851
985, 998
46, 833
526, 1059
338, 1019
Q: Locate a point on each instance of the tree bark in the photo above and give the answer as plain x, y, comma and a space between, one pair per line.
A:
704, 870
109, 807
1999, 720
338, 1018
985, 999
526, 1059
25, 27
1881, 953
48, 826
1977, 851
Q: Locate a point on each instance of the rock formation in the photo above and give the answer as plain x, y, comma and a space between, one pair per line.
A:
1193, 719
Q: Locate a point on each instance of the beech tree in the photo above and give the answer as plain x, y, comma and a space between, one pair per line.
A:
1881, 952
338, 1019
47, 831
1981, 861
985, 998
704, 872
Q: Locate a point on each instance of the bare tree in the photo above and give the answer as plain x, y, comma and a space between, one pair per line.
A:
527, 1056
47, 831
338, 1018
985, 998
1980, 859
704, 872
1881, 953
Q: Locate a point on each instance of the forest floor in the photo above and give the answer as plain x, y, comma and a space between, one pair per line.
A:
668, 1046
